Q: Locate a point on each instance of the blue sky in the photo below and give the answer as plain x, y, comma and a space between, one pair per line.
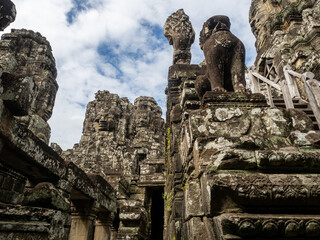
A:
116, 45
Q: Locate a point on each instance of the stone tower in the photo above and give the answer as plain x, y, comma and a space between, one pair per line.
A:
124, 143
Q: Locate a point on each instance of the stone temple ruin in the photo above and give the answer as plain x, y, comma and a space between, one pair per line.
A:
229, 162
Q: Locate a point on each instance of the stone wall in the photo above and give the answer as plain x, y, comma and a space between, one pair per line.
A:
227, 165
234, 166
237, 168
42, 196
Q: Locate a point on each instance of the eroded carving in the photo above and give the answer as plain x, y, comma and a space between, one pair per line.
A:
179, 32
286, 32
283, 226
29, 79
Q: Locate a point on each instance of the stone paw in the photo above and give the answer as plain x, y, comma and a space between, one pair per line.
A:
243, 90
218, 89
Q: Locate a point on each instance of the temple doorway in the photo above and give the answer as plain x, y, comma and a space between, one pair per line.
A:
157, 214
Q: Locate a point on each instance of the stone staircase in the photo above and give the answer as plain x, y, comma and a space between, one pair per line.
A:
301, 105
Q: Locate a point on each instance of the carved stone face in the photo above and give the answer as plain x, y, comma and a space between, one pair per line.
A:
31, 57
107, 119
142, 115
44, 101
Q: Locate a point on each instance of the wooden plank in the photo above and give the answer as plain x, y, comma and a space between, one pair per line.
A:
254, 83
270, 99
293, 73
266, 80
286, 95
291, 83
312, 88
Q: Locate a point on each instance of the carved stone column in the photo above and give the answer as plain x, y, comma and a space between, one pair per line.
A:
83, 219
103, 228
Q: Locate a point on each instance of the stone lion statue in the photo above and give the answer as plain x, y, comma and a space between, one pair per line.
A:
225, 58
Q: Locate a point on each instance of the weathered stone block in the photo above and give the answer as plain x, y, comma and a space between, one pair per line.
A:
193, 206
34, 223
12, 185
7, 14
46, 195
196, 229
18, 93
219, 154
285, 192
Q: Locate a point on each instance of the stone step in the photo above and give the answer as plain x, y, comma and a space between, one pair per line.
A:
300, 105
281, 100
308, 111
312, 117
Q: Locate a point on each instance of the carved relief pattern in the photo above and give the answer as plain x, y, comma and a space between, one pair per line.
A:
179, 32
285, 226
267, 187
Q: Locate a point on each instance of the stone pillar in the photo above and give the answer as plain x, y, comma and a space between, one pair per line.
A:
82, 224
103, 229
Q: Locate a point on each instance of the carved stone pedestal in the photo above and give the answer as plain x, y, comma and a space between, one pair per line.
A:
232, 99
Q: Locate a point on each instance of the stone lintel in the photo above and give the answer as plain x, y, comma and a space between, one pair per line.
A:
188, 71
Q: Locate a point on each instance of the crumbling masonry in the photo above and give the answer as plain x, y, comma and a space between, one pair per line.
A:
226, 164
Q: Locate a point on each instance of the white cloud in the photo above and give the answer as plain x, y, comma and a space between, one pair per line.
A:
135, 53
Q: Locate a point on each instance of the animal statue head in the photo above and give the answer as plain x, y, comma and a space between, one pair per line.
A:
212, 25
